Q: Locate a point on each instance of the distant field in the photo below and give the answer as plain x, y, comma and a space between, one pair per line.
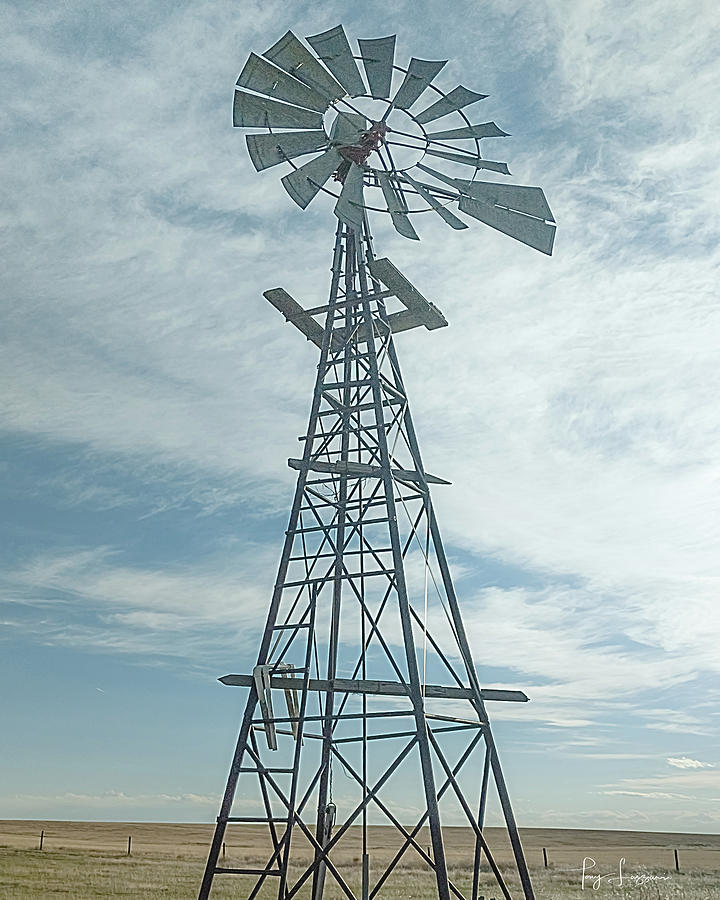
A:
83, 860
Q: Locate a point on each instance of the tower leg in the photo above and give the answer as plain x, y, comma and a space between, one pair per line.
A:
228, 796
480, 821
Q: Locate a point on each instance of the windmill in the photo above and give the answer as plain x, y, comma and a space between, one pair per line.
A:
365, 671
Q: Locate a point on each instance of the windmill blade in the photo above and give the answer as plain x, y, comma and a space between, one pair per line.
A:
487, 129
333, 49
533, 232
441, 210
349, 207
528, 200
304, 183
458, 98
268, 150
259, 76
250, 111
378, 56
397, 210
453, 182
347, 128
294, 57
471, 160
418, 77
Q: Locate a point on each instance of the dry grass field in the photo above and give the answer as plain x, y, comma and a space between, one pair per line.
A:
82, 860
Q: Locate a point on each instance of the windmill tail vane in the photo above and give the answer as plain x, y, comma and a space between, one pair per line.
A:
365, 666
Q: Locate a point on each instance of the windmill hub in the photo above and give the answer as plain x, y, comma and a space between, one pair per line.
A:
359, 151
408, 138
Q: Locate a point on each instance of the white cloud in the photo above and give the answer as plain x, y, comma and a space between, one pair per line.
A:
699, 785
572, 401
683, 762
649, 795
678, 721
618, 755
564, 649
90, 599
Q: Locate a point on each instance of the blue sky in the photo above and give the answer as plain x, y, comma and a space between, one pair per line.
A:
151, 398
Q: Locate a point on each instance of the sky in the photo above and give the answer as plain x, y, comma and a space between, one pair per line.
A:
151, 398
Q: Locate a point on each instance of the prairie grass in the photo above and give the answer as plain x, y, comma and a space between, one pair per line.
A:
167, 861
84, 875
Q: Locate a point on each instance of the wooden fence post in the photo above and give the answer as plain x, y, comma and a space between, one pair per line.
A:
42, 837
129, 844
545, 857
677, 861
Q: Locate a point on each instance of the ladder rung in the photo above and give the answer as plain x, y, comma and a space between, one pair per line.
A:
391, 401
294, 531
265, 769
224, 871
323, 579
261, 723
337, 385
369, 426
292, 625
260, 819
375, 551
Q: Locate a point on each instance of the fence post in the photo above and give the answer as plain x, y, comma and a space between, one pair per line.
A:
677, 861
545, 857
42, 837
223, 849
129, 844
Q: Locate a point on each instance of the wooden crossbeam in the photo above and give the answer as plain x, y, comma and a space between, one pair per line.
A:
383, 688
418, 311
363, 470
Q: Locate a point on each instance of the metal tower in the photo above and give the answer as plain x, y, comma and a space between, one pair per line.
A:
365, 668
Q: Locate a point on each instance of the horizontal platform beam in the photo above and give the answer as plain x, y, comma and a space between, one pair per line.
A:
293, 312
419, 310
384, 688
363, 470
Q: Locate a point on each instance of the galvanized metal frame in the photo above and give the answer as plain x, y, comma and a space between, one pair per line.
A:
344, 540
